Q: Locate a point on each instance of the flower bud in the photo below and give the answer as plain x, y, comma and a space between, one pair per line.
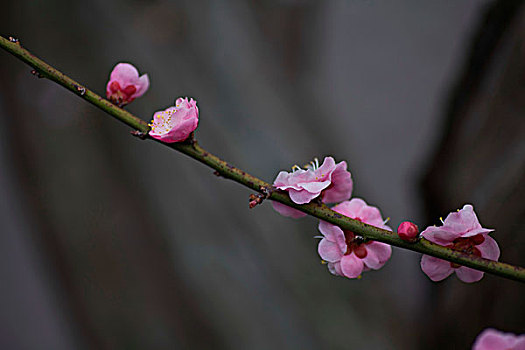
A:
125, 85
408, 231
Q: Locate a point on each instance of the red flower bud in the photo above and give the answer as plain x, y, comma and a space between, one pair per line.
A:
408, 231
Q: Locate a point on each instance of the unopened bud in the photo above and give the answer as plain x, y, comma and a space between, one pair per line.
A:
408, 231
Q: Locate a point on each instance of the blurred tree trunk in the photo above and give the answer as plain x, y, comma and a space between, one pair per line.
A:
482, 161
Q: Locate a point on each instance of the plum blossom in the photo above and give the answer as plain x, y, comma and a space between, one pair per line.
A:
176, 123
125, 85
492, 339
346, 253
333, 182
408, 231
460, 231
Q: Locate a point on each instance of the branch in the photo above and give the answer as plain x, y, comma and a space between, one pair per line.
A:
318, 210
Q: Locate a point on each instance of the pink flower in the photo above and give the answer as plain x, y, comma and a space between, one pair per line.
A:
125, 85
330, 180
176, 123
346, 253
408, 231
461, 231
492, 339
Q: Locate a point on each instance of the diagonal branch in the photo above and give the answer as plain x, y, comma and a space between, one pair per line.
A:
318, 210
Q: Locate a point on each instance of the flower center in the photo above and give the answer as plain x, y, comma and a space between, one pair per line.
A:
355, 243
161, 124
467, 245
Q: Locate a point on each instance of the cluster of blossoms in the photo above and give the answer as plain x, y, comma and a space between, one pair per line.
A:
346, 253
174, 124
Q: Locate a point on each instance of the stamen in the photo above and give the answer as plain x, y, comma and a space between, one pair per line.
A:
441, 219
316, 163
386, 220
295, 168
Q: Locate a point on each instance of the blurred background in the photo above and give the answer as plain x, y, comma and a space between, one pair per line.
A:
109, 242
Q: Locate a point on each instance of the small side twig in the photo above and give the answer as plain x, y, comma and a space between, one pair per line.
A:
137, 133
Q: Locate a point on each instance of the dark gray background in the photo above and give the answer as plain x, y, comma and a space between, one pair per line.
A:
110, 242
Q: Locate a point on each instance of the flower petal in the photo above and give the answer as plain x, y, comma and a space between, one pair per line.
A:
335, 268
372, 216
301, 197
285, 210
329, 251
468, 275
436, 269
142, 85
492, 339
462, 221
314, 187
125, 74
350, 208
324, 172
477, 231
377, 255
341, 187
489, 248
351, 266
439, 235
333, 234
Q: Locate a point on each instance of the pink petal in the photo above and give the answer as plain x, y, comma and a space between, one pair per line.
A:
357, 208
335, 269
463, 220
125, 74
476, 231
439, 236
377, 255
350, 208
492, 339
372, 216
285, 180
436, 269
333, 234
301, 197
351, 266
342, 185
489, 248
142, 85
326, 169
468, 275
329, 251
314, 187
285, 210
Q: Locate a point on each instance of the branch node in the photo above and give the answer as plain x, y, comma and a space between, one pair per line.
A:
14, 40
266, 191
81, 90
36, 73
256, 199
141, 135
